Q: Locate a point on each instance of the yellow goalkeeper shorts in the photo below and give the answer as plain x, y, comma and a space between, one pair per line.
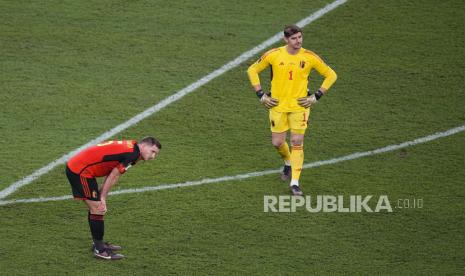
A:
297, 121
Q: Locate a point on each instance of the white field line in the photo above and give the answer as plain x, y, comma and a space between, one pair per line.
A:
256, 174
169, 100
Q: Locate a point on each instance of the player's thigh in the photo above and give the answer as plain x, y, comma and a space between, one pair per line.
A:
278, 121
298, 121
76, 185
83, 188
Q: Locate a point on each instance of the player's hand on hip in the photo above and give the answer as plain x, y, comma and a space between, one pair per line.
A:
307, 101
268, 101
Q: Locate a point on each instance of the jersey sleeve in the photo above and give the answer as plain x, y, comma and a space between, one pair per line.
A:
128, 160
324, 70
263, 62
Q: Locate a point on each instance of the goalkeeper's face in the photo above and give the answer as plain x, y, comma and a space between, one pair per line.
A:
148, 152
294, 41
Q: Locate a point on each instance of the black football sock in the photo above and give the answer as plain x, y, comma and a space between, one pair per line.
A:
97, 228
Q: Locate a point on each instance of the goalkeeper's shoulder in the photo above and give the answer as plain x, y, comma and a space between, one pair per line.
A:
265, 60
270, 53
312, 55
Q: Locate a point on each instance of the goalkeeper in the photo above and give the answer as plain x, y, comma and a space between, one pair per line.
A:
289, 102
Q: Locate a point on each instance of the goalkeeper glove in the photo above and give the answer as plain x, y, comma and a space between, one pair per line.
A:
266, 100
310, 99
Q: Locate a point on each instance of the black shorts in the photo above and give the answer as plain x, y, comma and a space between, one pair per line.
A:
83, 188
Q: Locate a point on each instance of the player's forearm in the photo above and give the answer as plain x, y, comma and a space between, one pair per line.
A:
109, 182
257, 87
330, 79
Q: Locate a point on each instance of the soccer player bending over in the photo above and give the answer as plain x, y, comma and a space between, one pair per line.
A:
290, 101
109, 159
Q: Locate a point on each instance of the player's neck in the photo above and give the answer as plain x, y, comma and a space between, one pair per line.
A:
292, 51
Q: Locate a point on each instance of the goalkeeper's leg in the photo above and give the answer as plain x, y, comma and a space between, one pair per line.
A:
279, 126
279, 142
297, 157
298, 122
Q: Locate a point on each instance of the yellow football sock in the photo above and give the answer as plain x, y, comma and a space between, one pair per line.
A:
297, 160
283, 150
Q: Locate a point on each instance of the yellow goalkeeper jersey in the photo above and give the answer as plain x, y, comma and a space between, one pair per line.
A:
289, 79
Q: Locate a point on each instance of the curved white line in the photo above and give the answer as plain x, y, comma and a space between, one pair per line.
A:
352, 156
167, 101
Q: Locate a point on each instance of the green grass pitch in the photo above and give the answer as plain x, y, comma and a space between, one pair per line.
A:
71, 70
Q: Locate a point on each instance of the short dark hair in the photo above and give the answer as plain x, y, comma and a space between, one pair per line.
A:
291, 30
149, 140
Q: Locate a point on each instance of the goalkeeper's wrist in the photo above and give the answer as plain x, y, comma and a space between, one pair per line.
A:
260, 93
318, 94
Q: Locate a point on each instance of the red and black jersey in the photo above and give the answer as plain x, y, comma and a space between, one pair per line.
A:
100, 160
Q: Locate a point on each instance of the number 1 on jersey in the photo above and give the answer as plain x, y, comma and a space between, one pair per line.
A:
290, 75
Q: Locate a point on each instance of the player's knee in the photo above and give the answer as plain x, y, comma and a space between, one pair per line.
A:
297, 141
98, 212
277, 142
94, 210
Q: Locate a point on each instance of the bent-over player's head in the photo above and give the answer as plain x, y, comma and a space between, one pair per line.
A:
149, 147
293, 36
